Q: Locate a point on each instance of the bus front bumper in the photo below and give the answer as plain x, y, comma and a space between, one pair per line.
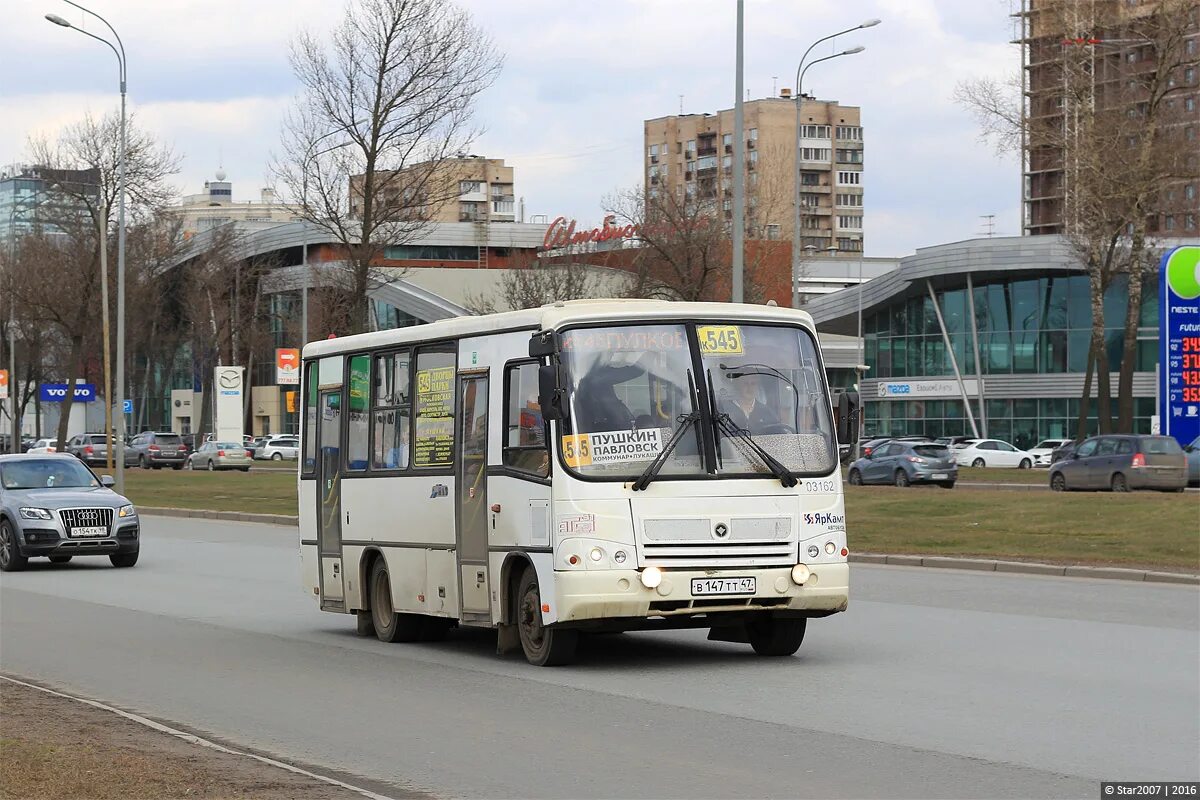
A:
605, 594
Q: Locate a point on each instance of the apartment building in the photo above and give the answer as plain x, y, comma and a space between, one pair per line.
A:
214, 207
463, 189
1079, 58
41, 199
692, 155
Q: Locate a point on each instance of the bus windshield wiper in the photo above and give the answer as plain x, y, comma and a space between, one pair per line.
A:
723, 424
686, 422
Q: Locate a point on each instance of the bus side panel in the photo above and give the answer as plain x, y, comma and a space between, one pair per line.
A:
414, 509
441, 588
523, 519
308, 570
307, 499
406, 572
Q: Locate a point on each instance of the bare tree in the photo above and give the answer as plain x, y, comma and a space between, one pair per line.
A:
1118, 144
386, 102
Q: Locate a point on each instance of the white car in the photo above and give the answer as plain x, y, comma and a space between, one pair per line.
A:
277, 448
992, 453
1044, 451
42, 446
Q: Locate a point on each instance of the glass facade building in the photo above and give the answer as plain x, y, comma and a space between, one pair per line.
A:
1032, 317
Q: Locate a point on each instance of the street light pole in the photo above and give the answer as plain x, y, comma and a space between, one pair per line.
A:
801, 68
119, 51
739, 172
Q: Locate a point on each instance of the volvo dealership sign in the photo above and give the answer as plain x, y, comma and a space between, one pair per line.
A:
899, 390
57, 392
1179, 344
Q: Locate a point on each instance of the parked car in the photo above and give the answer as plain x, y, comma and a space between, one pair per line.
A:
869, 446
991, 453
1192, 452
1066, 451
52, 505
906, 463
220, 455
157, 450
1043, 451
43, 446
92, 449
256, 443
277, 448
1121, 463
952, 441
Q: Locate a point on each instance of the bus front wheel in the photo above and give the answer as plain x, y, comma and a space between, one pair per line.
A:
389, 625
776, 636
544, 647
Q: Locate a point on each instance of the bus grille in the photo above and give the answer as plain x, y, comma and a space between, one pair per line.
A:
86, 518
692, 542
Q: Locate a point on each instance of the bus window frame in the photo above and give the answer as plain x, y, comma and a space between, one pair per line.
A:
511, 367
392, 352
344, 433
703, 399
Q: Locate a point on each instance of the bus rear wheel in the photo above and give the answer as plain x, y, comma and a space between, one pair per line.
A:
776, 636
544, 647
389, 625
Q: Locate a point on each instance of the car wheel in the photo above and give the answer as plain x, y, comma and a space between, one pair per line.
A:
1058, 482
901, 479
1119, 483
142, 462
277, 456
1025, 464
211, 466
244, 469
124, 559
947, 484
177, 467
979, 462
772, 636
544, 647
11, 559
59, 559
188, 465
855, 478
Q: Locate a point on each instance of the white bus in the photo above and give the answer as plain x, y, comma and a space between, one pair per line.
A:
588, 466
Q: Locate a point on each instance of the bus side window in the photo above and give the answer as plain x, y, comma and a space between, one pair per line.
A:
433, 408
524, 430
358, 420
310, 418
390, 411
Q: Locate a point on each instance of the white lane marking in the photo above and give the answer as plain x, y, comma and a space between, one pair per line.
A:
193, 739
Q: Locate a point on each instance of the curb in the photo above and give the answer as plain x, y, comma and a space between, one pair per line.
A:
935, 562
1027, 568
229, 516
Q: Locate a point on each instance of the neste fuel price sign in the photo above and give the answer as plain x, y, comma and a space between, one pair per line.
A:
1179, 344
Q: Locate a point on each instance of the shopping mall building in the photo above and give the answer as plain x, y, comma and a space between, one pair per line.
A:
1017, 316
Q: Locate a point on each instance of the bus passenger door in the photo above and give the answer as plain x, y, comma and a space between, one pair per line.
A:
329, 498
471, 483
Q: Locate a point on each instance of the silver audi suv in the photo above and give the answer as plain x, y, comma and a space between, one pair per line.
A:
53, 506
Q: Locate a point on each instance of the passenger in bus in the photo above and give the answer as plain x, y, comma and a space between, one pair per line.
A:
596, 405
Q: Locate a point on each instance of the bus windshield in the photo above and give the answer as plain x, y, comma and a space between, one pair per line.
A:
633, 388
629, 393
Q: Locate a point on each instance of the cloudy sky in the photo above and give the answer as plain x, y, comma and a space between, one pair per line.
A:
211, 78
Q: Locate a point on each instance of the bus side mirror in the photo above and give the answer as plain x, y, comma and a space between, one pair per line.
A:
847, 417
550, 396
543, 343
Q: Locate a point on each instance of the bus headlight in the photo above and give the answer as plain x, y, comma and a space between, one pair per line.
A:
651, 577
813, 551
619, 556
830, 548
596, 554
800, 574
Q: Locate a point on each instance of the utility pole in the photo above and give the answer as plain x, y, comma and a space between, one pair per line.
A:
739, 169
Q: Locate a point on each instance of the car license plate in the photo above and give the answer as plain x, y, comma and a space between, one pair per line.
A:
94, 530
706, 587
940, 476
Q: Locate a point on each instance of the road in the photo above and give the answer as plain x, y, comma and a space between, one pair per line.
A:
936, 683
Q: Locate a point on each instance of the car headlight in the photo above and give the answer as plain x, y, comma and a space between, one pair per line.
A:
127, 511
36, 513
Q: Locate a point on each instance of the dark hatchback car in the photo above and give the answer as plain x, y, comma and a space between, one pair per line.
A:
158, 450
906, 463
1121, 463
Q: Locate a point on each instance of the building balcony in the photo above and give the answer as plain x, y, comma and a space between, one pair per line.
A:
707, 151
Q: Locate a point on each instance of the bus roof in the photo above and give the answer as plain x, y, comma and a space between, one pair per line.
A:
557, 315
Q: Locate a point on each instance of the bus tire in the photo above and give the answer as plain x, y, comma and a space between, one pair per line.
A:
776, 636
544, 647
389, 625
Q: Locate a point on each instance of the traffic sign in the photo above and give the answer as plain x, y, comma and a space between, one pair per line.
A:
128, 407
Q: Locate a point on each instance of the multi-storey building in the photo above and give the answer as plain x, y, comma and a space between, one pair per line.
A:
215, 207
36, 198
1081, 58
692, 156
462, 189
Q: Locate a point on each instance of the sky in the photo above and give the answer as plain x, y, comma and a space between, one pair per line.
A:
211, 78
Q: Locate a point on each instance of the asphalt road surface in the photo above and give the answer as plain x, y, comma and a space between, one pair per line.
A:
936, 683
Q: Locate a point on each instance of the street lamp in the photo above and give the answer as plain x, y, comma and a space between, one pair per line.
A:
801, 68
119, 400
